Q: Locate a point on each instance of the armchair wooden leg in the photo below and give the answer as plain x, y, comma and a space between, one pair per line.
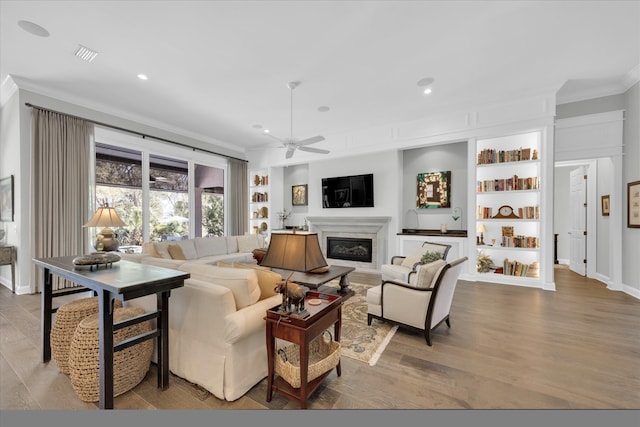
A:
369, 317
427, 336
448, 322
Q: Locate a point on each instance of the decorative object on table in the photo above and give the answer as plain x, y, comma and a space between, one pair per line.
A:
293, 252
96, 259
633, 204
434, 190
481, 229
106, 217
605, 205
505, 211
299, 195
443, 228
6, 199
484, 263
282, 216
296, 294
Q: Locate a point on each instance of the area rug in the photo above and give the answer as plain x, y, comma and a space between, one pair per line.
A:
358, 340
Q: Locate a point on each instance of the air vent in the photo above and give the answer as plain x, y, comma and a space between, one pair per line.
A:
85, 53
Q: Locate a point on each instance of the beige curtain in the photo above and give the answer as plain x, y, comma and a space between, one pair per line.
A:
60, 188
238, 195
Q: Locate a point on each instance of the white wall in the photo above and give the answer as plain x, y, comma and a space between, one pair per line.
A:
10, 165
446, 157
631, 173
604, 184
295, 175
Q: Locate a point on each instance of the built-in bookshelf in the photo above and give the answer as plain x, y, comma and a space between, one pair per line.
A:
508, 206
264, 198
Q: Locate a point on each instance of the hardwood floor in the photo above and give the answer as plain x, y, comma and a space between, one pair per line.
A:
508, 347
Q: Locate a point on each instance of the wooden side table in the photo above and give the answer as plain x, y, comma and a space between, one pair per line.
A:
302, 332
8, 257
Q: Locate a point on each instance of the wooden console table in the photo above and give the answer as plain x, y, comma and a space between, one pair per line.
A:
124, 280
8, 257
302, 332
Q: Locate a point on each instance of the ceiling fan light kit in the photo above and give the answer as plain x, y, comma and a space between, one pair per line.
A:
292, 144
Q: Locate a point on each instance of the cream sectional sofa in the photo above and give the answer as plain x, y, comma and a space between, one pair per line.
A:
216, 321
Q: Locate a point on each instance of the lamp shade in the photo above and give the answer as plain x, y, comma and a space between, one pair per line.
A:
482, 228
294, 252
105, 217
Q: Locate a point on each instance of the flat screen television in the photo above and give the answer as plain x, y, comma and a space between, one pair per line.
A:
355, 191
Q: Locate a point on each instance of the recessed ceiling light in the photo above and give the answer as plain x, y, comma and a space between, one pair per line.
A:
34, 29
323, 109
426, 81
85, 53
427, 91
266, 131
143, 77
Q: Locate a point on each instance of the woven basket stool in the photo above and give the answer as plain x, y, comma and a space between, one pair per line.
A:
129, 365
67, 318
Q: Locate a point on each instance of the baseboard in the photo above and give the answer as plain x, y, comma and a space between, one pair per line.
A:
634, 292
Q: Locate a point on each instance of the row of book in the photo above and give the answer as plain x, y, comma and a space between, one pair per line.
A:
517, 268
509, 184
490, 156
525, 212
260, 197
520, 241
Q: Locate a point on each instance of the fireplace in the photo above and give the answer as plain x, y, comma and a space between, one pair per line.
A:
350, 249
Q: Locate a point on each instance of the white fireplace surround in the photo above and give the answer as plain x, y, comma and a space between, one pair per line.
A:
375, 228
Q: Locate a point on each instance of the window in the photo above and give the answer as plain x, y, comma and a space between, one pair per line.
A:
119, 184
168, 199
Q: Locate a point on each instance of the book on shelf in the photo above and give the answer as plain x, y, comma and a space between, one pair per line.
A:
508, 184
490, 156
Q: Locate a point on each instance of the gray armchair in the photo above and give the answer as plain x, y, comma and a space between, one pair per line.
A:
421, 304
401, 267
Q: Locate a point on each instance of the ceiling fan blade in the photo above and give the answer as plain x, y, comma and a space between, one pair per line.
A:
314, 150
311, 140
290, 151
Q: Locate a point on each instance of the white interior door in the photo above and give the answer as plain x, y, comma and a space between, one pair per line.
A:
578, 232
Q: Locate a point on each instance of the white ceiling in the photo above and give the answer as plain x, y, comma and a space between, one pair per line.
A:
216, 68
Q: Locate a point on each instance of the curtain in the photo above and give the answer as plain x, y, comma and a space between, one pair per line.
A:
61, 148
238, 197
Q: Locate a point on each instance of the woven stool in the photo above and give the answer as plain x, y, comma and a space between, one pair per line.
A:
68, 316
129, 365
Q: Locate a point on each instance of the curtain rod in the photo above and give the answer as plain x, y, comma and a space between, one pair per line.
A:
144, 136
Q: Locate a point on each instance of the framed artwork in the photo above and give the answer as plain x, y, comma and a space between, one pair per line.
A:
299, 195
6, 199
605, 205
434, 190
633, 204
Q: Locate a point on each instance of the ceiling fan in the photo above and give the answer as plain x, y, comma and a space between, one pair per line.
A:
291, 144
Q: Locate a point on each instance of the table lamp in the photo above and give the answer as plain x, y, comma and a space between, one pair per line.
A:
481, 229
293, 252
106, 217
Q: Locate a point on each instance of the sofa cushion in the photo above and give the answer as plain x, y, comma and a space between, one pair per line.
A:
248, 242
267, 279
243, 283
232, 244
188, 248
162, 249
208, 246
176, 252
426, 273
150, 249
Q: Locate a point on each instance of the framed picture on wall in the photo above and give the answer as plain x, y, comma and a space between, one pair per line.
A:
605, 205
633, 204
6, 199
434, 190
299, 195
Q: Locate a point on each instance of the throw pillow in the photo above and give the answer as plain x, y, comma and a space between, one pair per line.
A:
411, 260
176, 252
150, 249
425, 274
267, 279
247, 243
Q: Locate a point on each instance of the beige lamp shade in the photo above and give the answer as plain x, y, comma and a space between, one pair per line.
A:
294, 252
482, 228
106, 217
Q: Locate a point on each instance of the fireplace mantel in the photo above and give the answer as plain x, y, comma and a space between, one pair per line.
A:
374, 227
